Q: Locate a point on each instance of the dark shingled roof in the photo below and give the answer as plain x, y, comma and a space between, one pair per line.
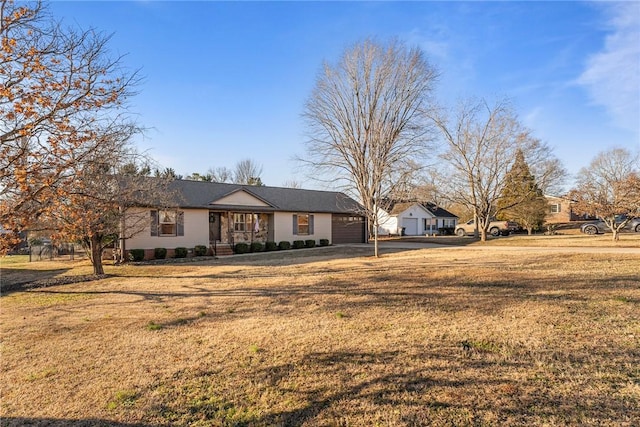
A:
438, 211
399, 207
201, 194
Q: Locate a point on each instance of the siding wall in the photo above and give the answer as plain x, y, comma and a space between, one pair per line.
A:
283, 227
196, 232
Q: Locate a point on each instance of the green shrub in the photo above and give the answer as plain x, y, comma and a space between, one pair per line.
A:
256, 247
136, 254
181, 252
160, 253
200, 250
283, 246
298, 244
324, 242
241, 248
270, 246
309, 243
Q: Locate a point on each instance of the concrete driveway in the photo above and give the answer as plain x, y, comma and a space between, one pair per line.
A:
399, 244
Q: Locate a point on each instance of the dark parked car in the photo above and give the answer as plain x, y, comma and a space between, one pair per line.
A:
598, 227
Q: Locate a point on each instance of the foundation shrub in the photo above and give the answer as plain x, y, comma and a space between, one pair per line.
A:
200, 250
136, 254
283, 246
256, 247
270, 246
241, 248
160, 253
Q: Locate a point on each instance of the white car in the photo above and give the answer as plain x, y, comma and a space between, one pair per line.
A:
496, 228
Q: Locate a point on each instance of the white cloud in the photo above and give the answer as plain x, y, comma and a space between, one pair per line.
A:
612, 76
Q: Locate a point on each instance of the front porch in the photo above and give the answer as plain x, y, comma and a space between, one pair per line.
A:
227, 228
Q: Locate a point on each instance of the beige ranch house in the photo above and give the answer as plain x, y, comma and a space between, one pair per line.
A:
219, 215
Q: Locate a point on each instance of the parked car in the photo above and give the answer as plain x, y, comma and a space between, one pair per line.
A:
496, 228
599, 227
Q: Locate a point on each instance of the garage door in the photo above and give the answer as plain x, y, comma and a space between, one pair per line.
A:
410, 226
347, 229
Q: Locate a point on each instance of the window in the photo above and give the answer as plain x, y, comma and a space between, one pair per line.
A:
303, 224
167, 223
242, 222
555, 208
448, 223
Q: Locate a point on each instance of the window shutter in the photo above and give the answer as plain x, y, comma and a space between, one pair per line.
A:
154, 223
295, 225
310, 224
180, 224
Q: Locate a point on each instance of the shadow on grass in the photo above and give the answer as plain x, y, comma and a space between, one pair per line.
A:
13, 279
328, 388
57, 422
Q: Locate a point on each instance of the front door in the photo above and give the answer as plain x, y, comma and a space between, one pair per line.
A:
214, 227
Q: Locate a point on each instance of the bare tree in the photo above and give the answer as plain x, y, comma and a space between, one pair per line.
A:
62, 100
292, 183
481, 145
610, 188
248, 172
366, 120
220, 174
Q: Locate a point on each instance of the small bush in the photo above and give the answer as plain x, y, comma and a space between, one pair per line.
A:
241, 248
324, 242
257, 247
136, 254
270, 246
309, 243
200, 250
298, 244
283, 246
160, 253
181, 252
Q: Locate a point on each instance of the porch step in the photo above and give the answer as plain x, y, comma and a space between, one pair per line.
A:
223, 250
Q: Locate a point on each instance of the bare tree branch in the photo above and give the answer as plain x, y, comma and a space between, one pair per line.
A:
366, 120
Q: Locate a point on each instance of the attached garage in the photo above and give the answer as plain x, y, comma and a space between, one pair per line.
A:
348, 229
410, 226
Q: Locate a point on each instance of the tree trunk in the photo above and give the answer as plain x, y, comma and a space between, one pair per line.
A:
529, 231
616, 235
96, 254
483, 235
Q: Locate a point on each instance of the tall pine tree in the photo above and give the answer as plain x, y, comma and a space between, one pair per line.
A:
521, 199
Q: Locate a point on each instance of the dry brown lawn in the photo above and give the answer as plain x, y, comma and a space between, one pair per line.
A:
565, 238
425, 337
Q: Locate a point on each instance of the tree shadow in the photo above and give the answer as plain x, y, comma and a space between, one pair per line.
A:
12, 280
61, 422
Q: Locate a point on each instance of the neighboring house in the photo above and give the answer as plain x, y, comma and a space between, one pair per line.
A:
417, 219
561, 210
220, 215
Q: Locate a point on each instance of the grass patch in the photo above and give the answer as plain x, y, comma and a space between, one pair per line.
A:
153, 326
498, 337
123, 399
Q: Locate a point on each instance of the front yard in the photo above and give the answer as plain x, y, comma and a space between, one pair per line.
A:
425, 337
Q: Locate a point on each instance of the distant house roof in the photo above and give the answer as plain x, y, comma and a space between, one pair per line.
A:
202, 194
566, 198
438, 211
399, 207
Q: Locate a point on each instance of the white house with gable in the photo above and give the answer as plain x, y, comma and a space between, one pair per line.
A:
415, 219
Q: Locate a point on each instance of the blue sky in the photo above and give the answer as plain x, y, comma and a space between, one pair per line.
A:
226, 81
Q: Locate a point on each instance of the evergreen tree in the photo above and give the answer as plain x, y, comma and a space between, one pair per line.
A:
521, 199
